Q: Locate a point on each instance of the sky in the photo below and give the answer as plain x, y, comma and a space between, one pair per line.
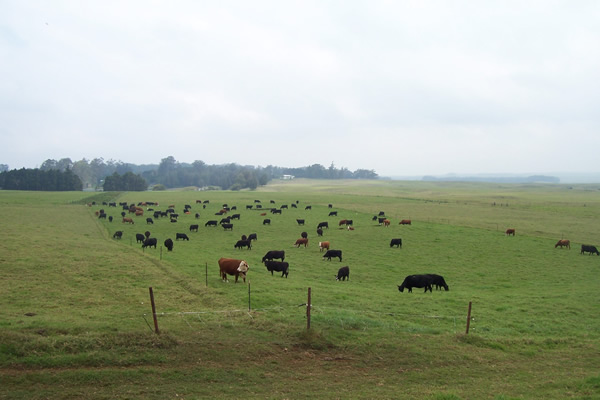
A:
399, 87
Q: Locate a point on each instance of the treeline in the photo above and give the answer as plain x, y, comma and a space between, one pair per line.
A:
36, 179
117, 175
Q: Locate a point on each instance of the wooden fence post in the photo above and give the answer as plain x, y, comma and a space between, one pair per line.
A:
153, 311
468, 318
308, 307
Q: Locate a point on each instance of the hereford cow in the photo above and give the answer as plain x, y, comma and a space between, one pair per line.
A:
343, 273
418, 281
563, 243
323, 245
405, 222
169, 244
386, 222
301, 241
333, 253
342, 222
139, 213
118, 235
510, 231
127, 220
182, 236
278, 266
585, 248
243, 243
230, 266
150, 242
396, 242
273, 254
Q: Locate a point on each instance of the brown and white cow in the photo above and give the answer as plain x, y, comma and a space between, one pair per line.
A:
323, 245
231, 266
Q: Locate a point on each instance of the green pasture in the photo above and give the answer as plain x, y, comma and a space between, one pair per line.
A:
76, 320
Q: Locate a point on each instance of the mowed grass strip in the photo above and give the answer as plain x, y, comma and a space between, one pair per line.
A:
89, 297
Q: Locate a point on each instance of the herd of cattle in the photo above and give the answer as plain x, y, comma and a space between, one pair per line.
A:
274, 260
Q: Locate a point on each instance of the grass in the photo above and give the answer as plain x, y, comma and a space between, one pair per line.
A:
75, 319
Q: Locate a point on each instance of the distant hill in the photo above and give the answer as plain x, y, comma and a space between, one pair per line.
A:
496, 179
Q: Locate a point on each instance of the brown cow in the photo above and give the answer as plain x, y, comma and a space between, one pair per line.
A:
563, 242
323, 245
128, 220
386, 222
139, 213
510, 231
405, 222
231, 266
343, 222
301, 241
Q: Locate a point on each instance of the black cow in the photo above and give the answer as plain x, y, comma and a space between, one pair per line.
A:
308, 208
343, 273
181, 236
149, 221
169, 244
157, 214
118, 235
252, 236
323, 225
275, 211
585, 248
418, 281
139, 238
194, 228
396, 242
249, 207
110, 218
279, 266
304, 235
150, 242
319, 232
273, 254
235, 216
266, 221
333, 253
212, 222
225, 220
300, 221
243, 243
227, 226
438, 281
102, 215
333, 213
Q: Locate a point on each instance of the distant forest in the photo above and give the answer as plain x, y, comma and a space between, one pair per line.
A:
118, 175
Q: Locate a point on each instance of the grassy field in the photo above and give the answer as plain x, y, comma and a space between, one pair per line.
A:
76, 322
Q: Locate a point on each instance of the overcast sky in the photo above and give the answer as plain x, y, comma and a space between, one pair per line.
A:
401, 87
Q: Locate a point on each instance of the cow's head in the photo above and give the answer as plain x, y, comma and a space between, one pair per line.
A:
401, 288
243, 267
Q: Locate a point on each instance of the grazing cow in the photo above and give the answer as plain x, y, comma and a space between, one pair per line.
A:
275, 211
396, 242
182, 236
139, 213
349, 222
278, 266
323, 225
332, 253
118, 235
304, 235
102, 215
374, 218
150, 242
110, 218
300, 221
230, 266
381, 213
284, 206
169, 244
225, 220
244, 237
252, 236
198, 201
127, 220
147, 234
197, 215
212, 222
266, 221
235, 216
139, 238
418, 281
343, 273
319, 232
380, 220
386, 222
330, 205
263, 214
563, 242
323, 245
273, 254
249, 207
407, 222
585, 248
149, 221
294, 206
510, 231
301, 241
438, 281
243, 243
227, 226
308, 208
332, 214
194, 228
343, 222
350, 228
